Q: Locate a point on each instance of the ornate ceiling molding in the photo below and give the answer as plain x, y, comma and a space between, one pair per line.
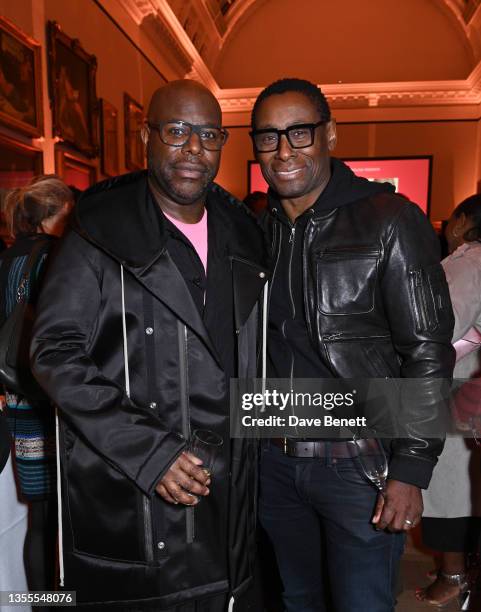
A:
470, 9
198, 68
162, 37
138, 9
149, 16
368, 95
158, 17
236, 14
474, 79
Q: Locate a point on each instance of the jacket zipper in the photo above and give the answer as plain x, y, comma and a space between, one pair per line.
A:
292, 238
304, 277
291, 297
289, 277
184, 409
348, 251
419, 300
278, 243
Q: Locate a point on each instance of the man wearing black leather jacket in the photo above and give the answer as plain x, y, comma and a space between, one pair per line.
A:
357, 291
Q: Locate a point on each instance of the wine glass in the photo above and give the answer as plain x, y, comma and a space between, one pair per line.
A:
205, 444
372, 459
475, 425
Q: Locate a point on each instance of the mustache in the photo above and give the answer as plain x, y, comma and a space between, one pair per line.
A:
191, 165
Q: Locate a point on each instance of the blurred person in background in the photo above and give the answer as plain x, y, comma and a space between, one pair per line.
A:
36, 213
451, 522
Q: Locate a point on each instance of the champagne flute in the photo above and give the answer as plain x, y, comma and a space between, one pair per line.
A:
372, 459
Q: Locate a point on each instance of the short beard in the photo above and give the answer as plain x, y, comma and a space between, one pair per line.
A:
178, 195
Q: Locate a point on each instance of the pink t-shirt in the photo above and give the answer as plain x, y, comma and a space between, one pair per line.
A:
196, 233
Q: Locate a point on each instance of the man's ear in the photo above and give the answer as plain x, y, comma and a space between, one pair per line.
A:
144, 134
331, 134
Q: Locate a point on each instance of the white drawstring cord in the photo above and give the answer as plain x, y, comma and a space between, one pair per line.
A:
57, 442
59, 503
124, 333
264, 344
264, 330
231, 605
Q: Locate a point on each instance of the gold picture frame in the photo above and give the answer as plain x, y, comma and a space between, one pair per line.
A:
109, 138
134, 147
72, 75
74, 170
20, 81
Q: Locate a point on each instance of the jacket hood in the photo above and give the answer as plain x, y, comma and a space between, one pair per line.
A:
119, 216
343, 188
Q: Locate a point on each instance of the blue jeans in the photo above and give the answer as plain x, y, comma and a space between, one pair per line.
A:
317, 513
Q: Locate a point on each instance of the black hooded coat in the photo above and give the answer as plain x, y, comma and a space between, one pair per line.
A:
121, 541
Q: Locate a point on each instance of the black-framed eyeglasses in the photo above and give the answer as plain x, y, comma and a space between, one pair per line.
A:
177, 133
298, 136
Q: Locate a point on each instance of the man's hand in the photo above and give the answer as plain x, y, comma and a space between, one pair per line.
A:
401, 507
183, 481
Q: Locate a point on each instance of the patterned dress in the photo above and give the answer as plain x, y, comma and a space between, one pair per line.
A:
31, 423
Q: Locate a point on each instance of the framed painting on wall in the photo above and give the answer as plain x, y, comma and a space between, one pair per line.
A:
19, 164
72, 73
109, 139
20, 80
75, 171
134, 147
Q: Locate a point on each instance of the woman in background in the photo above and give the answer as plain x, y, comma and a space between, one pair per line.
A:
35, 215
451, 522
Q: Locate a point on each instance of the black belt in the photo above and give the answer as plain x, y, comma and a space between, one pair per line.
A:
312, 448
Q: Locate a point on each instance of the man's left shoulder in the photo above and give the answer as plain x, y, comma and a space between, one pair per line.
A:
390, 209
389, 203
241, 225
231, 205
233, 211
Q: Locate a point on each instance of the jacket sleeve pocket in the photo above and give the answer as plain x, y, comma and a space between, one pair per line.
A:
430, 297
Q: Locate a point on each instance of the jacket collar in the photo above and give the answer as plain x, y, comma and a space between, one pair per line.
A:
119, 217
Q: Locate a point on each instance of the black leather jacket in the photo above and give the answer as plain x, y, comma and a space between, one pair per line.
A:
376, 301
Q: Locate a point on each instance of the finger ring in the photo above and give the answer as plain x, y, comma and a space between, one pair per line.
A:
408, 522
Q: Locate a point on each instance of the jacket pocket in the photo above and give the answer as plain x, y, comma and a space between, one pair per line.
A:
346, 280
148, 531
378, 362
100, 502
429, 296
